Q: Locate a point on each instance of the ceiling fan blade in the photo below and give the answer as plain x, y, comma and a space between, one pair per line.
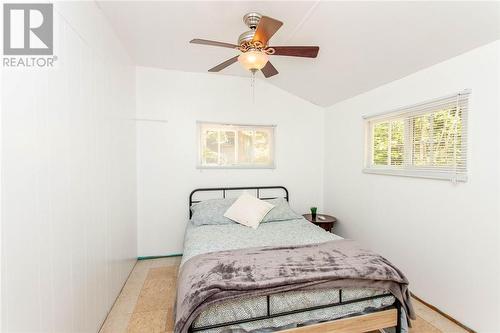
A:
266, 29
223, 65
268, 70
297, 51
213, 43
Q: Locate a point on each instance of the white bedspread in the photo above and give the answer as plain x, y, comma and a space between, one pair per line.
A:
210, 238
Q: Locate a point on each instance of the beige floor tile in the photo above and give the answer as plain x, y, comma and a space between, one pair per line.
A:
421, 326
142, 264
138, 275
132, 288
449, 327
446, 325
170, 320
116, 323
157, 294
168, 272
124, 305
162, 262
436, 319
148, 322
424, 312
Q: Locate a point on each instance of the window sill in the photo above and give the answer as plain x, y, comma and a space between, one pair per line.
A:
418, 174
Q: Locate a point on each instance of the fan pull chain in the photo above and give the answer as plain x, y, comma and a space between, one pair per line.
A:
252, 84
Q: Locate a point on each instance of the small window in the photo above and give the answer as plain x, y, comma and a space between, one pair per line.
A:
235, 146
426, 140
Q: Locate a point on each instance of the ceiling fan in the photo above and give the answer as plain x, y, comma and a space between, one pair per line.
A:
254, 47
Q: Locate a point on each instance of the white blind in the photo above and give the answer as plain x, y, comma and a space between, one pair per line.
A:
424, 140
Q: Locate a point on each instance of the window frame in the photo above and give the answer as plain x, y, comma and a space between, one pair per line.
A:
235, 128
408, 169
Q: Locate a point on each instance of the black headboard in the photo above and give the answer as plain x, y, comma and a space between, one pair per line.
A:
224, 190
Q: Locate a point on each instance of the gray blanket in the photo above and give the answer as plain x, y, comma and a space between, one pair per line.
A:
218, 276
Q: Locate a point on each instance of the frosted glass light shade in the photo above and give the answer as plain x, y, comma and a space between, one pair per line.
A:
253, 60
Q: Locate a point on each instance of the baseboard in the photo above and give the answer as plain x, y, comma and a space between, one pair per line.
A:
443, 314
158, 257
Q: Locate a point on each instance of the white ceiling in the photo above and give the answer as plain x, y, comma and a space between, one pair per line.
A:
362, 44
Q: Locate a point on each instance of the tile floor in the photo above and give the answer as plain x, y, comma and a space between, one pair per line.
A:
146, 303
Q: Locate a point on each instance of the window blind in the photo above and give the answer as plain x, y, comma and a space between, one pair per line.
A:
424, 140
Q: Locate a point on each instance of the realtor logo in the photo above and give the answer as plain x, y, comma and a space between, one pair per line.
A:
28, 29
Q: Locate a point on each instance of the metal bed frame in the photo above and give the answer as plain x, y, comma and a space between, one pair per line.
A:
270, 315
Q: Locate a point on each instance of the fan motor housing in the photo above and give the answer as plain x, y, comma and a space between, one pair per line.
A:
252, 20
247, 36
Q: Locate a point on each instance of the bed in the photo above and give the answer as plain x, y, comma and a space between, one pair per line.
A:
348, 309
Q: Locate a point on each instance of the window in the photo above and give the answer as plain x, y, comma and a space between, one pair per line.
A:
426, 140
235, 146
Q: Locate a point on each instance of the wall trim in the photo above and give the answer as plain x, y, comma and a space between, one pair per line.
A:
158, 257
432, 307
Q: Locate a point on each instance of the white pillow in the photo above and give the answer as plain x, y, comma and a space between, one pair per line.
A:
248, 210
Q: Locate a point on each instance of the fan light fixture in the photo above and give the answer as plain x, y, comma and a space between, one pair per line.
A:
253, 60
255, 48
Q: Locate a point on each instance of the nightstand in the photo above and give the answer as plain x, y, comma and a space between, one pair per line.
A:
327, 223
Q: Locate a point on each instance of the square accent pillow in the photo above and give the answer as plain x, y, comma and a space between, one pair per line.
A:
248, 210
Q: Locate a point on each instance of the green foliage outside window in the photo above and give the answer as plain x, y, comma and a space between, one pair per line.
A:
435, 140
388, 143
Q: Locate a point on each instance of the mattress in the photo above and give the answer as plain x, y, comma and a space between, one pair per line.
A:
211, 238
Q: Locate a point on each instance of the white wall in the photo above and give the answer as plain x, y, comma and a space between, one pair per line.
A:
68, 171
444, 236
167, 152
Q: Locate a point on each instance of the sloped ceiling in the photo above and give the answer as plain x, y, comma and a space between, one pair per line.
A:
363, 44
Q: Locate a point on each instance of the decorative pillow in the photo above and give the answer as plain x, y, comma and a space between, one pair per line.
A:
248, 210
211, 211
281, 211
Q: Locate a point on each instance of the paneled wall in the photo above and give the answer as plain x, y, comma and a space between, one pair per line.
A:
68, 172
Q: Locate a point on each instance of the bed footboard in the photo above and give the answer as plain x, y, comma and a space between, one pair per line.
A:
363, 323
378, 319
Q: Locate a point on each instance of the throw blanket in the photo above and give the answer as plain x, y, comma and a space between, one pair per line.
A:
218, 276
